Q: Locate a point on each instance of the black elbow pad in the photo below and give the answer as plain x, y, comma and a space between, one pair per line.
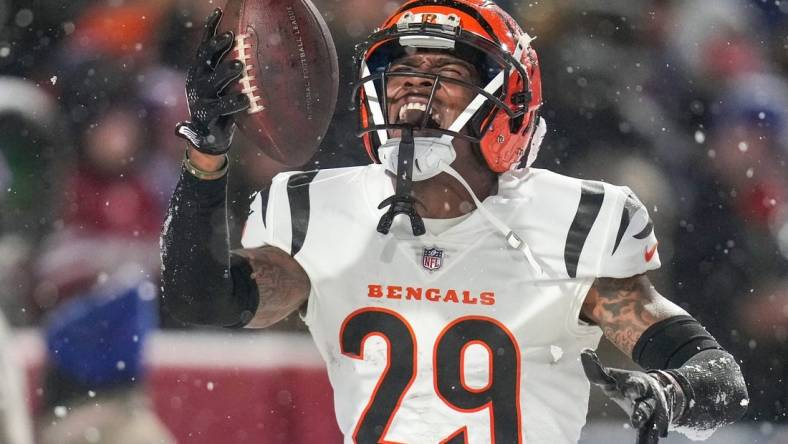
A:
672, 342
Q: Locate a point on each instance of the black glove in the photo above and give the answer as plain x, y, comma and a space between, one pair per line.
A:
211, 127
650, 399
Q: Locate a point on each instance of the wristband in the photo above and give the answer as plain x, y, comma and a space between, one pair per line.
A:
202, 174
673, 391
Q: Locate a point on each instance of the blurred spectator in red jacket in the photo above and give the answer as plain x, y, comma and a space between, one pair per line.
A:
106, 196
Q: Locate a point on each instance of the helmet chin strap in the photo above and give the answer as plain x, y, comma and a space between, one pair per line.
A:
402, 202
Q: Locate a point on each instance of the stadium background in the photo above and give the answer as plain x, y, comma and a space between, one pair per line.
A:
684, 101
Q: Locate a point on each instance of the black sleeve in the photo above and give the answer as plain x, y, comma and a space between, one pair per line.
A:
202, 283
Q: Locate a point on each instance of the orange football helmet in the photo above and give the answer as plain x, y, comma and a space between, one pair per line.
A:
502, 119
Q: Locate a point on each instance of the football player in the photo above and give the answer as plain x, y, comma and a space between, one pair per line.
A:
453, 290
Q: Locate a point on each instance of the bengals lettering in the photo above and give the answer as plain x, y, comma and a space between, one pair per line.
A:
430, 294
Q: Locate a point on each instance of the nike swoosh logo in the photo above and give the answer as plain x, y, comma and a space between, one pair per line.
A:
649, 254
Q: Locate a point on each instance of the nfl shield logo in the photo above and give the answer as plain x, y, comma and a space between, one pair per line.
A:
432, 258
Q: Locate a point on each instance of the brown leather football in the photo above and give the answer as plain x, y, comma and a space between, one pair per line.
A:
291, 75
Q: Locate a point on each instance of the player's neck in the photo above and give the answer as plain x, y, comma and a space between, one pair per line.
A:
443, 197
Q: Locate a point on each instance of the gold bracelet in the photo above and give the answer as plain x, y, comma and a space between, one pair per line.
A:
202, 174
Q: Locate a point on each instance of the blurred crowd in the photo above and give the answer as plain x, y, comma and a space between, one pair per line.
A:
684, 101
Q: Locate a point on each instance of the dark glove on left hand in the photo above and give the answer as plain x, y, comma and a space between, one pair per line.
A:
650, 399
211, 127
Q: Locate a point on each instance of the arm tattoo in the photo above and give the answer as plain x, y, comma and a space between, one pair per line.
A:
282, 284
625, 308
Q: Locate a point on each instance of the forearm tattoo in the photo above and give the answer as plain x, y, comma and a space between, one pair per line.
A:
282, 284
623, 309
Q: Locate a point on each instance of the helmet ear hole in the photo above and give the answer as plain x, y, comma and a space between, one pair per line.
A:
476, 125
516, 123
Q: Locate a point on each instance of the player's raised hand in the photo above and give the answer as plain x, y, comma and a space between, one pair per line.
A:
647, 398
211, 127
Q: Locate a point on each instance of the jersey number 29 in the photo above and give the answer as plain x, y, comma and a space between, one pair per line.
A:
500, 396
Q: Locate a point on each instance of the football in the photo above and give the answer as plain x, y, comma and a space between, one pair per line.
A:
291, 75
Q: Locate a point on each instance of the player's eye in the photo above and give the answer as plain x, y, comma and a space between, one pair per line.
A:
452, 72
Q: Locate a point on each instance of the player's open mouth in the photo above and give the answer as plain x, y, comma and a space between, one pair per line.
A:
413, 109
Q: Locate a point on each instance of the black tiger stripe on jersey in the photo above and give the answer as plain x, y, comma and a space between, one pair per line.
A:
298, 195
631, 205
592, 194
647, 230
622, 227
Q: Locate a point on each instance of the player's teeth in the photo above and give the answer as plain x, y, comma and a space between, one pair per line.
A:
411, 106
418, 106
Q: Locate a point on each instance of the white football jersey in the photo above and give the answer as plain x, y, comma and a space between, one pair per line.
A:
455, 338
